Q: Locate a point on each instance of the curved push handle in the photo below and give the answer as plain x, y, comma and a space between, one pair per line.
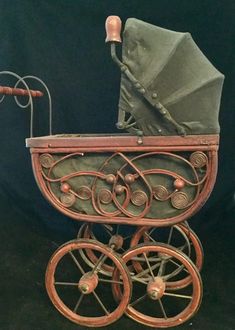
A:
113, 27
19, 91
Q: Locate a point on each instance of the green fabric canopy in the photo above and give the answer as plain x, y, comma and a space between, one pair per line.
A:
173, 79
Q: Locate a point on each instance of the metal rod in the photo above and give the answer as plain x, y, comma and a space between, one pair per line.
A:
146, 271
175, 263
77, 263
100, 302
152, 259
170, 235
150, 237
66, 283
150, 269
161, 268
162, 309
177, 295
139, 280
78, 303
99, 263
109, 281
138, 300
174, 273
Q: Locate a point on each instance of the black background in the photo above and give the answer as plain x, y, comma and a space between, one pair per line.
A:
62, 42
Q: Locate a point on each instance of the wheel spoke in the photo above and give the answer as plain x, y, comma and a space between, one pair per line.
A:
109, 281
181, 248
174, 273
175, 263
162, 309
150, 269
152, 259
76, 262
146, 271
78, 303
138, 300
170, 235
107, 231
99, 263
177, 295
151, 231
129, 236
136, 279
66, 283
100, 303
150, 237
161, 268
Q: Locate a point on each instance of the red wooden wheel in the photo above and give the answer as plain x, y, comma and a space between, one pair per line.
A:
181, 237
80, 292
152, 302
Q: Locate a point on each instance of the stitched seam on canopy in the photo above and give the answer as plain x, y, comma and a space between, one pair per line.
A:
182, 37
190, 92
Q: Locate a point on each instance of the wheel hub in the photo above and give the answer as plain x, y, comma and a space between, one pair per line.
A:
88, 282
156, 288
116, 241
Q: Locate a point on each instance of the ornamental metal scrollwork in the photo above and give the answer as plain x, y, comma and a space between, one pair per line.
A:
153, 185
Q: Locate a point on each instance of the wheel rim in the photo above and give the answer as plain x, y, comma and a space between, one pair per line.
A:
87, 277
173, 308
192, 247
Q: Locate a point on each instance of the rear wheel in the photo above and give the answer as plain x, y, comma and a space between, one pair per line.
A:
181, 237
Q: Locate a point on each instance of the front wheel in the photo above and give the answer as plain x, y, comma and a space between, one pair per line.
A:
79, 291
153, 303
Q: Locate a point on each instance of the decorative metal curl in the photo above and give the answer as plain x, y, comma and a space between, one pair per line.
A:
29, 104
198, 159
121, 193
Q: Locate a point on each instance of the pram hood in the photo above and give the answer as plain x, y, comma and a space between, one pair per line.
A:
172, 72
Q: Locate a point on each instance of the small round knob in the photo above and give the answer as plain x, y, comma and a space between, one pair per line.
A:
129, 178
65, 187
179, 184
119, 189
110, 178
119, 125
113, 27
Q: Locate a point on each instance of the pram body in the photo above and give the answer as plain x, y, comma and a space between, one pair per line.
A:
150, 169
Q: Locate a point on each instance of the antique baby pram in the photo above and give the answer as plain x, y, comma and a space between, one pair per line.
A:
135, 252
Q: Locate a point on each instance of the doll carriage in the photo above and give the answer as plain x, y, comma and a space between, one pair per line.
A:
135, 252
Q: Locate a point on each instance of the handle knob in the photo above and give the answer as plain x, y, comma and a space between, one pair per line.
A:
113, 27
19, 91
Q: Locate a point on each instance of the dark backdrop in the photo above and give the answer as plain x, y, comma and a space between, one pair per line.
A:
62, 42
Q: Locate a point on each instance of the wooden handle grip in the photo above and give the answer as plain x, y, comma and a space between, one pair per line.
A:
19, 91
113, 27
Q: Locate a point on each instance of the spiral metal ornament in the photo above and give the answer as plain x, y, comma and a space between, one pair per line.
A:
179, 200
198, 159
67, 199
160, 193
46, 160
139, 198
84, 193
105, 196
